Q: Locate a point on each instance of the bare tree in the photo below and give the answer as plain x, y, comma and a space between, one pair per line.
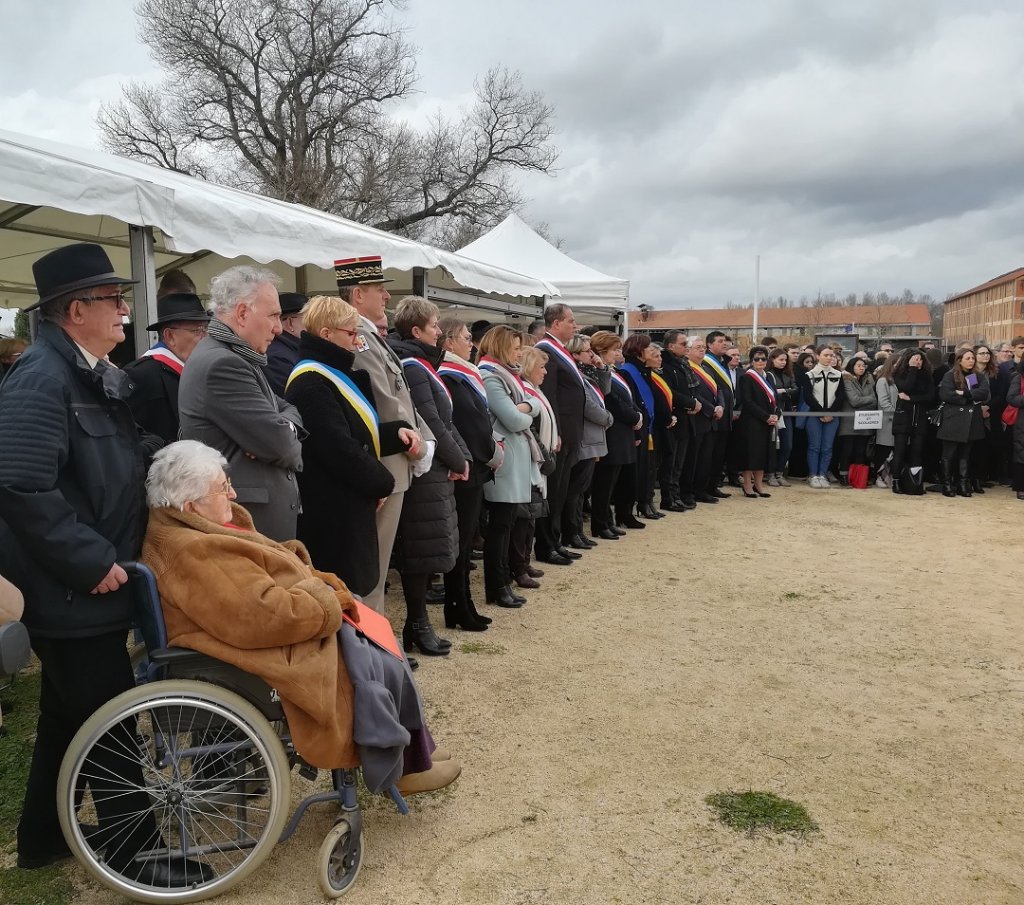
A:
291, 98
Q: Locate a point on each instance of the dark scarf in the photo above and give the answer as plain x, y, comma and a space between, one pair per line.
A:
413, 348
221, 332
322, 350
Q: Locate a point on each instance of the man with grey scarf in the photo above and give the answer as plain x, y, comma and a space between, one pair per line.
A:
225, 401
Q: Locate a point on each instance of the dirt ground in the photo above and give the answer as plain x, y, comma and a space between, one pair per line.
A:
855, 651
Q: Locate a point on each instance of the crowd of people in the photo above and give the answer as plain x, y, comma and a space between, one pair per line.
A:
301, 447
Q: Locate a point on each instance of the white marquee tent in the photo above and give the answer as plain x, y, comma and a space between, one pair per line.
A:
512, 244
151, 220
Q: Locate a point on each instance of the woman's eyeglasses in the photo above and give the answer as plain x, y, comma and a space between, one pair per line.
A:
225, 489
352, 333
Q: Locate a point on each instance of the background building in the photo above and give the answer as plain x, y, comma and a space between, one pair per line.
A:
992, 312
899, 324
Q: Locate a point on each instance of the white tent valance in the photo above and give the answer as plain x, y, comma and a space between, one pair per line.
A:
514, 245
194, 216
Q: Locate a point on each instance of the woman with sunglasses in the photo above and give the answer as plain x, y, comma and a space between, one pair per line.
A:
342, 481
758, 422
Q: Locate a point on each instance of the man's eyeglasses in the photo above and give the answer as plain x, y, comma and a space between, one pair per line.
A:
118, 298
194, 329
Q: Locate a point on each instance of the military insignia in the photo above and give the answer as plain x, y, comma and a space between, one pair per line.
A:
361, 344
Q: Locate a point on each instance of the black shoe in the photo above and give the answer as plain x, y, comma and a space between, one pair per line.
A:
648, 511
673, 506
458, 615
504, 597
688, 502
420, 635
174, 873
720, 494
577, 542
631, 521
44, 859
705, 498
517, 597
896, 488
976, 486
413, 663
568, 554
555, 559
615, 529
435, 593
589, 541
480, 617
608, 534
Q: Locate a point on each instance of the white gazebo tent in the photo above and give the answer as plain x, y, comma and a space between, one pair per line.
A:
151, 220
514, 245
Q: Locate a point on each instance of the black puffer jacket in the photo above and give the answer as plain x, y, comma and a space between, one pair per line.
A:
428, 532
72, 487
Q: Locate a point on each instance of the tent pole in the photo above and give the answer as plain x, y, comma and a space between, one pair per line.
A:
757, 296
143, 270
419, 282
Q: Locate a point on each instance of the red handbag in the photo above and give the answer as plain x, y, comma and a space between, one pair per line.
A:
1009, 416
858, 476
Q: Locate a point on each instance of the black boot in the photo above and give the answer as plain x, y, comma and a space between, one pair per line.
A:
965, 481
458, 615
948, 481
626, 519
896, 486
976, 485
468, 596
504, 597
420, 635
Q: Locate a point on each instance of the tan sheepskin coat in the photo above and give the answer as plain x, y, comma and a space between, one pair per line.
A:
259, 605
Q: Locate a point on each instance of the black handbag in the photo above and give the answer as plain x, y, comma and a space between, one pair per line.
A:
912, 483
935, 415
548, 465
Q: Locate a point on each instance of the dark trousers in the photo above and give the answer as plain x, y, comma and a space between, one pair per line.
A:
79, 676
645, 473
697, 466
907, 451
549, 528
718, 456
520, 546
579, 483
469, 499
501, 517
671, 461
624, 492
601, 489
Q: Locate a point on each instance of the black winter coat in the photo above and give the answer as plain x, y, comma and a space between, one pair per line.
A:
342, 479
72, 488
428, 532
472, 421
282, 354
154, 397
563, 387
679, 378
620, 437
911, 416
1016, 399
703, 422
962, 420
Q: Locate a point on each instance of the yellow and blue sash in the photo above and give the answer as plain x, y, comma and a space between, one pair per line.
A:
349, 392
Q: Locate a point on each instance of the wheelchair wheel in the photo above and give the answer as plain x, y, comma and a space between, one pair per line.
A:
180, 770
340, 858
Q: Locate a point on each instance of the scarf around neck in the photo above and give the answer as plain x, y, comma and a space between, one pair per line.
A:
221, 332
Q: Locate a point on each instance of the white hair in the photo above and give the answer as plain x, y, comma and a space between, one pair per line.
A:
181, 472
238, 284
694, 341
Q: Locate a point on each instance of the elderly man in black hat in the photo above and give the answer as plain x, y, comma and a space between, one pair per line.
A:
181, 322
72, 504
284, 350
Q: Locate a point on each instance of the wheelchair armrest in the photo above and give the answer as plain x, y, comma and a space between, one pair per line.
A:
15, 648
177, 656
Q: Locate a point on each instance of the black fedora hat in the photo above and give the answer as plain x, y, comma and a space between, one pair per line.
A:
292, 302
72, 267
177, 307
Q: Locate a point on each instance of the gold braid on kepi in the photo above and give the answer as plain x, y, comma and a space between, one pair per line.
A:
359, 271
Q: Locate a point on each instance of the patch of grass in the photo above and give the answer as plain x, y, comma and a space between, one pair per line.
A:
48, 886
752, 811
792, 595
481, 647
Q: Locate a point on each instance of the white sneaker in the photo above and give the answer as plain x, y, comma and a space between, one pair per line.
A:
812, 481
822, 482
880, 482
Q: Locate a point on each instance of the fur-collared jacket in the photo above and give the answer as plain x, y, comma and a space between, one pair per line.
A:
243, 598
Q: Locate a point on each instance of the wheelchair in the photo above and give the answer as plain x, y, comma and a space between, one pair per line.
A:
215, 757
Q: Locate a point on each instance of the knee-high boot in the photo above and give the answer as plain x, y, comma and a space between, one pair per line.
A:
965, 480
948, 478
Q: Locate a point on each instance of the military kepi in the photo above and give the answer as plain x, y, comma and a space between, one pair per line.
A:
359, 271
73, 267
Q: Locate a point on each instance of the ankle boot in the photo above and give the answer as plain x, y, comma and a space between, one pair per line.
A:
420, 635
948, 481
458, 615
467, 595
976, 485
517, 597
504, 597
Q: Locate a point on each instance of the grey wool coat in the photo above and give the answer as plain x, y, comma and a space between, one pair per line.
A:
596, 419
860, 394
226, 403
428, 532
887, 394
513, 482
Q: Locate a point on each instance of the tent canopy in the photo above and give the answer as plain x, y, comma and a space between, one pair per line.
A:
53, 191
514, 245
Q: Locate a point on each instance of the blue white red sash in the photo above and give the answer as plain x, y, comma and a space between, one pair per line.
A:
622, 382
165, 356
553, 347
349, 392
596, 390
768, 391
467, 375
431, 373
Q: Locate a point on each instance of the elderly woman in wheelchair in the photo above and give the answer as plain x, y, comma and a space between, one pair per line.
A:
283, 679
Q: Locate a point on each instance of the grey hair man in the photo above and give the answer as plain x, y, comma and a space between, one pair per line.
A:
226, 402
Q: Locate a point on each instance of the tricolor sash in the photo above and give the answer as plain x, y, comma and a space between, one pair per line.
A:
768, 391
663, 387
349, 392
622, 382
467, 375
165, 356
431, 373
504, 372
719, 370
553, 347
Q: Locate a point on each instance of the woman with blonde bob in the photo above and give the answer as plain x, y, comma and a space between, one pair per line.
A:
343, 480
512, 412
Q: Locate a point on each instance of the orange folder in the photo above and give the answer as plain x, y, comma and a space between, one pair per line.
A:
376, 628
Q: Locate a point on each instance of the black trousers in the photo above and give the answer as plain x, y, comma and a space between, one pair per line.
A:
718, 456
601, 488
549, 528
697, 466
79, 676
671, 461
908, 450
520, 546
624, 492
469, 499
501, 517
579, 483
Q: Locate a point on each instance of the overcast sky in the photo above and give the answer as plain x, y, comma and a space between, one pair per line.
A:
856, 145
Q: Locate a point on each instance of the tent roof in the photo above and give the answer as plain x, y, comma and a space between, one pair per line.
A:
195, 216
513, 244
